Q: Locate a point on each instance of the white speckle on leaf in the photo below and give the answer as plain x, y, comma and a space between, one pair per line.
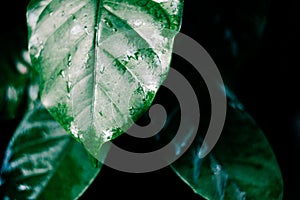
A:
107, 134
130, 53
74, 130
63, 74
23, 187
33, 92
102, 68
12, 94
137, 23
69, 85
86, 30
26, 57
81, 137
21, 67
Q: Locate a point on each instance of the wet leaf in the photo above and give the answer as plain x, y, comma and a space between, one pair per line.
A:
241, 166
101, 62
42, 161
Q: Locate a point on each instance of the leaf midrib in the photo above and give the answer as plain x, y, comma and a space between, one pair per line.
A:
97, 36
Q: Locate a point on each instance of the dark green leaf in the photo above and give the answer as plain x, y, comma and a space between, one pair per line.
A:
101, 62
14, 62
13, 81
42, 161
241, 166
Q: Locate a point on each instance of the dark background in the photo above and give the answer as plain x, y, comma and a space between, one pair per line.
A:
255, 46
259, 61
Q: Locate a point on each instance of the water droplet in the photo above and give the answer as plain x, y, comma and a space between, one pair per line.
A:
22, 69
102, 69
26, 56
63, 13
81, 137
156, 61
74, 130
131, 54
107, 134
62, 73
86, 30
34, 91
69, 85
69, 57
12, 94
73, 17
69, 60
108, 23
114, 30
23, 187
137, 23
51, 13
100, 113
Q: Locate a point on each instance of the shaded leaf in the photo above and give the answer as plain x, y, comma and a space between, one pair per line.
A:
241, 166
101, 62
42, 161
14, 61
13, 81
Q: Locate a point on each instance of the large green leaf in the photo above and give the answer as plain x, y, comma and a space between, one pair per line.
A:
241, 166
101, 62
42, 161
